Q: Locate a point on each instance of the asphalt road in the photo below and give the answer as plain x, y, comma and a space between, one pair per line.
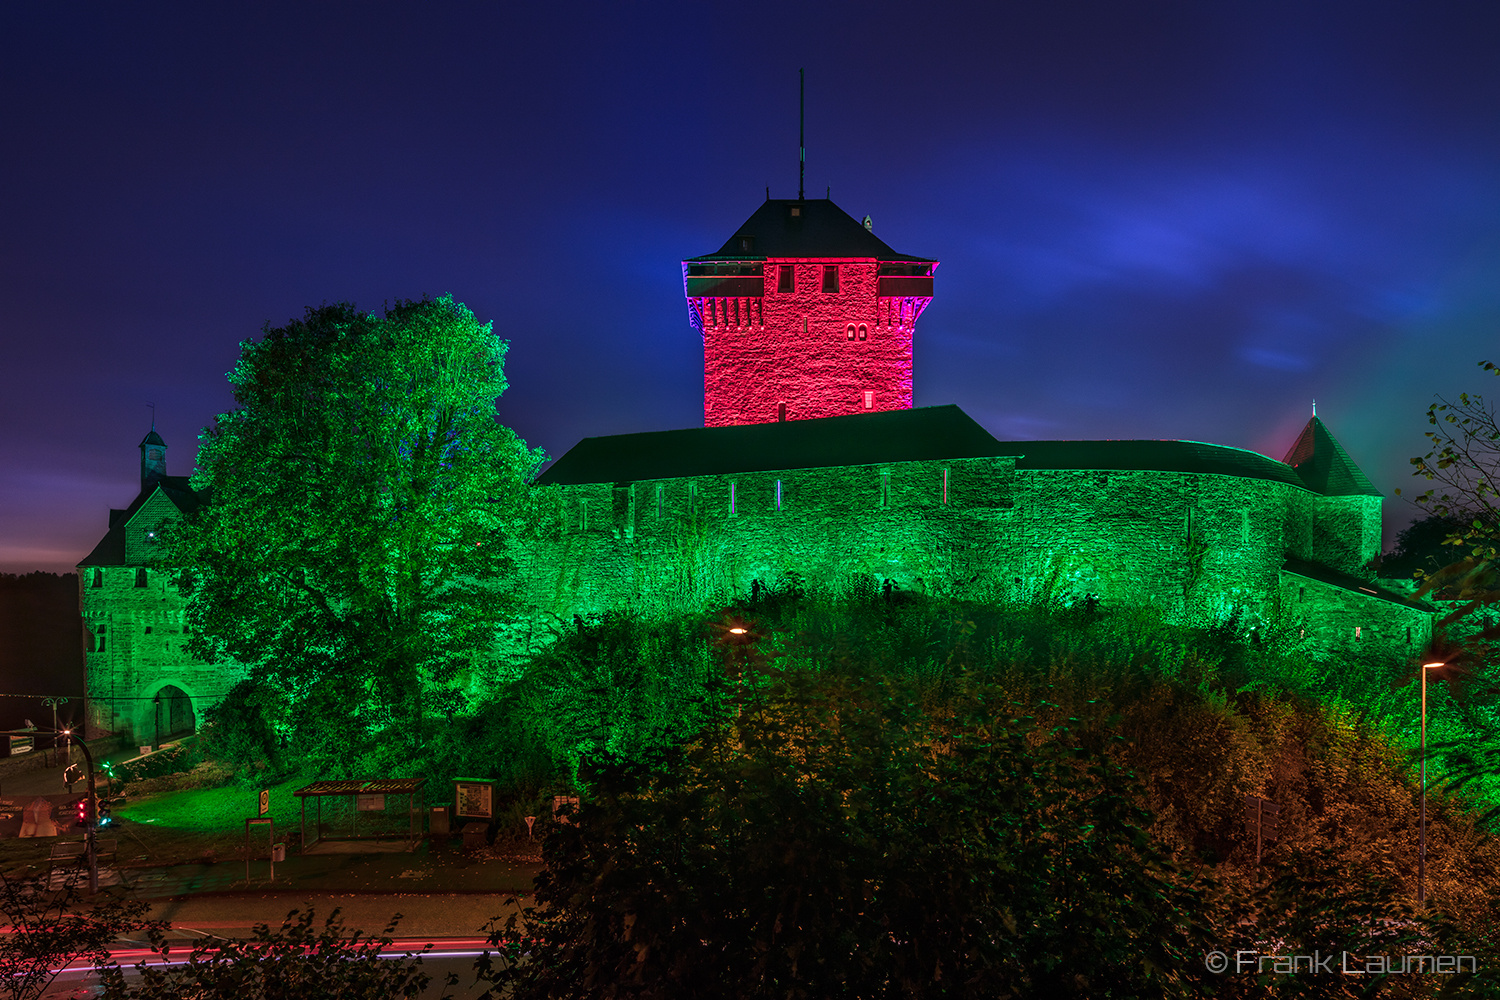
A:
448, 955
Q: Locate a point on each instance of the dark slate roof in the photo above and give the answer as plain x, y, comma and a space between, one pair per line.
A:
1321, 573
822, 230
928, 433
152, 438
111, 548
1325, 466
933, 432
1154, 456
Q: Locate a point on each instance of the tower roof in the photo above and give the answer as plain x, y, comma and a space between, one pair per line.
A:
152, 438
1325, 466
808, 228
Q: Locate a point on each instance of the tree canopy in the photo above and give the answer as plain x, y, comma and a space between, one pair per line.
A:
355, 551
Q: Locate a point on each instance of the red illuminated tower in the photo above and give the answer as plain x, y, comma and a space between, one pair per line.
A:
804, 313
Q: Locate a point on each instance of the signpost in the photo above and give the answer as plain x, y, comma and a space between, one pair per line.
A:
1260, 815
270, 825
265, 801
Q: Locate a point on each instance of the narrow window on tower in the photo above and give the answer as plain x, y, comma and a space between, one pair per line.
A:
140, 578
945, 486
869, 399
659, 490
885, 487
850, 331
784, 278
864, 332
1245, 527
830, 278
98, 578
1301, 594
781, 413
732, 498
778, 503
1356, 633
1408, 635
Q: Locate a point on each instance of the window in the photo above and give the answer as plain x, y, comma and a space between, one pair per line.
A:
1301, 593
148, 629
778, 501
784, 278
747, 244
864, 332
885, 487
140, 577
1408, 635
98, 578
869, 400
850, 331
731, 498
659, 490
945, 492
796, 211
781, 413
1356, 633
1244, 527
830, 278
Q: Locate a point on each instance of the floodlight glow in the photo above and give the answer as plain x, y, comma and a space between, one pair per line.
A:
737, 630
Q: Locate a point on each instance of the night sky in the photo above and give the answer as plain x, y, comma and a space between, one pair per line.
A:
1171, 220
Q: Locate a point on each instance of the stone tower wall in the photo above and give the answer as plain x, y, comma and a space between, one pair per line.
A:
136, 645
795, 347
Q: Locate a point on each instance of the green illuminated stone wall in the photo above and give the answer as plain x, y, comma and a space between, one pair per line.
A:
135, 645
1194, 546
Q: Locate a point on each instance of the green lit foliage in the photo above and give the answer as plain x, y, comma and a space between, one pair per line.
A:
885, 784
48, 928
1464, 461
236, 732
185, 756
356, 552
827, 837
298, 959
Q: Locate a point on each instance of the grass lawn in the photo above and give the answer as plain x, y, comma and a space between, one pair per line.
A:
200, 823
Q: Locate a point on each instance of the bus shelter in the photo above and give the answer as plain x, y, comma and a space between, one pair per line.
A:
364, 811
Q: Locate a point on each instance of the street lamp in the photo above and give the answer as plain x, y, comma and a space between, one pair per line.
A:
52, 703
1422, 832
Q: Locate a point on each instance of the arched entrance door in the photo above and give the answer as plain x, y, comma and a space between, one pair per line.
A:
172, 711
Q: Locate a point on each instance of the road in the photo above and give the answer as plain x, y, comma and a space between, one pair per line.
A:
448, 955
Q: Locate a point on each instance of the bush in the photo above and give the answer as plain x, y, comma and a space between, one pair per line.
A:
173, 760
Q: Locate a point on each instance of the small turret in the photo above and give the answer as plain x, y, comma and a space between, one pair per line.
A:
153, 459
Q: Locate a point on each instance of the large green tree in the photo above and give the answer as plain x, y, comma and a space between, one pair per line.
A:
356, 551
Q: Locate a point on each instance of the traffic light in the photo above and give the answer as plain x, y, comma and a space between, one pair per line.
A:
82, 811
103, 809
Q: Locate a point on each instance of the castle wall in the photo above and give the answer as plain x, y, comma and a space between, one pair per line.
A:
1196, 547
1335, 619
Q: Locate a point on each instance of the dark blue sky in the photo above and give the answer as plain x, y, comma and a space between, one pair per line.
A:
1174, 220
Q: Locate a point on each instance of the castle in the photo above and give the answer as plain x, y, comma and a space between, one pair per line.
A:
812, 466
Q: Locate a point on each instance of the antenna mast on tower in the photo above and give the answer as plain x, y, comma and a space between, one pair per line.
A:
801, 130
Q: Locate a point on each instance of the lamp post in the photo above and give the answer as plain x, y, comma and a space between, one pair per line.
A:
156, 704
52, 703
1422, 831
